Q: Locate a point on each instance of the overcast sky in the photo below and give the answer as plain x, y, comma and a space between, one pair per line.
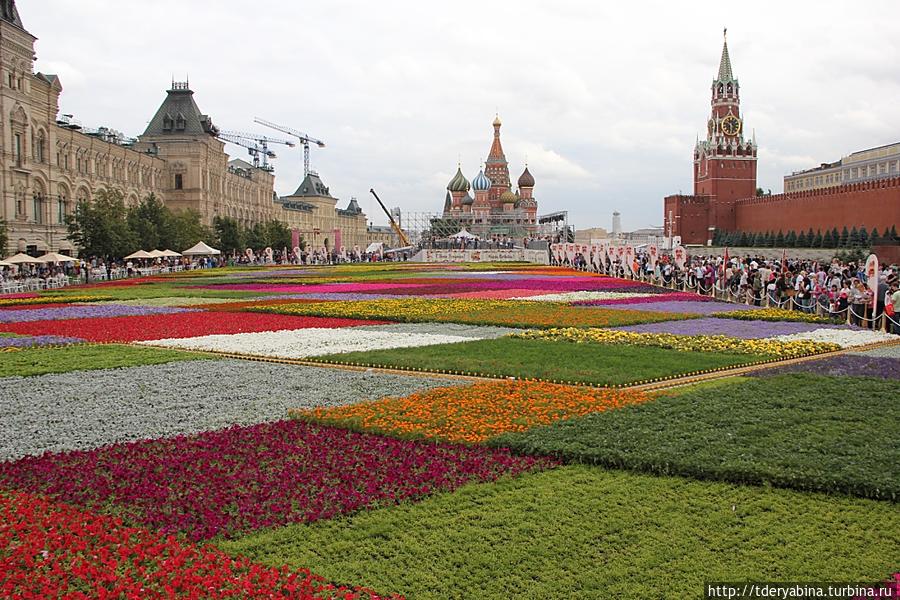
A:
604, 99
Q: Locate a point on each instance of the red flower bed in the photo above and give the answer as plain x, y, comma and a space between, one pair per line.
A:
240, 479
52, 550
181, 325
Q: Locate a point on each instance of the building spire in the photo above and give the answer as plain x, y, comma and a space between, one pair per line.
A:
725, 73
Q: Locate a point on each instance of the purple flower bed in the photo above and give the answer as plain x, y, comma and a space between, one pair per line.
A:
30, 341
846, 365
240, 479
731, 327
88, 311
678, 306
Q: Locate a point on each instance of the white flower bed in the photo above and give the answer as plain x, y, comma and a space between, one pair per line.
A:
303, 343
577, 296
846, 338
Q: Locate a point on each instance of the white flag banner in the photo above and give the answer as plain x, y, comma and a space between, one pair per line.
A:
653, 255
680, 256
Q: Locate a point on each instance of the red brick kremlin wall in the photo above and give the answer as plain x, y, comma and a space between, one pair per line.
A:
873, 204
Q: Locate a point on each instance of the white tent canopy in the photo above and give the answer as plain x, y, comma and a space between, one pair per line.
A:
55, 257
374, 247
200, 249
21, 258
156, 253
169, 253
139, 254
5, 264
464, 235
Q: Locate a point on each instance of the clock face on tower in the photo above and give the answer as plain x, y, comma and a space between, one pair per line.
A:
731, 125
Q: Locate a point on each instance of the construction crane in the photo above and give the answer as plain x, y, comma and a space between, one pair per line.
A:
256, 145
403, 239
304, 139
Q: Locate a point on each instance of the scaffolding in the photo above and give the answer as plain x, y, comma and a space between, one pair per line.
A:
556, 226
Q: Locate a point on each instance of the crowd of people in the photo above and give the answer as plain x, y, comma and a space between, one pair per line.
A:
836, 288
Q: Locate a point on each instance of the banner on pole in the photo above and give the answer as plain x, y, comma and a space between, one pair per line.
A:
872, 277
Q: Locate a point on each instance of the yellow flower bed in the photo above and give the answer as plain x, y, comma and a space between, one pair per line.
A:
772, 314
49, 300
687, 343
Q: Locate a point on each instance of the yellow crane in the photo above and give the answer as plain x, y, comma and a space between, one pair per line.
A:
403, 239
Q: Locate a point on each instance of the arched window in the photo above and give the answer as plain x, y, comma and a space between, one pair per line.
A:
38, 198
40, 148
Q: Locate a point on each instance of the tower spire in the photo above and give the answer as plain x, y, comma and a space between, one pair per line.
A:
725, 73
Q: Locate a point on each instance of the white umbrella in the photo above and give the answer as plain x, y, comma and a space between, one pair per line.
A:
55, 257
21, 257
200, 249
156, 253
169, 253
463, 234
5, 264
139, 254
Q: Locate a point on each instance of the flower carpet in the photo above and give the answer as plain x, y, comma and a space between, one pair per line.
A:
435, 431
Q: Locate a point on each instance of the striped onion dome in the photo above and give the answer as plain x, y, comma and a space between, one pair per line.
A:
481, 182
459, 183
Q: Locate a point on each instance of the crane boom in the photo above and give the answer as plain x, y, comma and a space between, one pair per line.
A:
255, 144
403, 239
304, 139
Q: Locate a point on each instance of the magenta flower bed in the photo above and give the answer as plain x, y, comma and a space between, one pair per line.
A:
240, 479
562, 284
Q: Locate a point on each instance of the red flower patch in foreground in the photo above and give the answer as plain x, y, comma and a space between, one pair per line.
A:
239, 479
51, 550
182, 325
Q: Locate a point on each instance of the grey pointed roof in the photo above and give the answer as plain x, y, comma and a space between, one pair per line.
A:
725, 73
180, 115
313, 186
10, 14
447, 203
353, 207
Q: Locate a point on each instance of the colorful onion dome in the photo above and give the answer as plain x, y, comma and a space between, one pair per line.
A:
507, 197
459, 183
481, 182
526, 203
526, 179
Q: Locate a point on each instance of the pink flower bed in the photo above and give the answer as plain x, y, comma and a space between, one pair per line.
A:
492, 294
239, 479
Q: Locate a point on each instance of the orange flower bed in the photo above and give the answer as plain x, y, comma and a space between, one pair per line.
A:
475, 413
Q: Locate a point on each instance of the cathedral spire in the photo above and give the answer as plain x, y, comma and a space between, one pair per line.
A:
10, 14
725, 73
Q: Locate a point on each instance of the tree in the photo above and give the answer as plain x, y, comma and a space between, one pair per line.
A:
790, 240
844, 238
278, 236
853, 238
185, 229
150, 221
779, 239
818, 241
828, 240
863, 237
744, 240
801, 241
874, 235
893, 234
810, 236
229, 235
100, 228
767, 240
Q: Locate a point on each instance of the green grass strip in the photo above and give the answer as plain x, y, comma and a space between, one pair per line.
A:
550, 360
807, 432
86, 357
582, 532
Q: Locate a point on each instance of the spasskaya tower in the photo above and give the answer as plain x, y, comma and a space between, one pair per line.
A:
725, 162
